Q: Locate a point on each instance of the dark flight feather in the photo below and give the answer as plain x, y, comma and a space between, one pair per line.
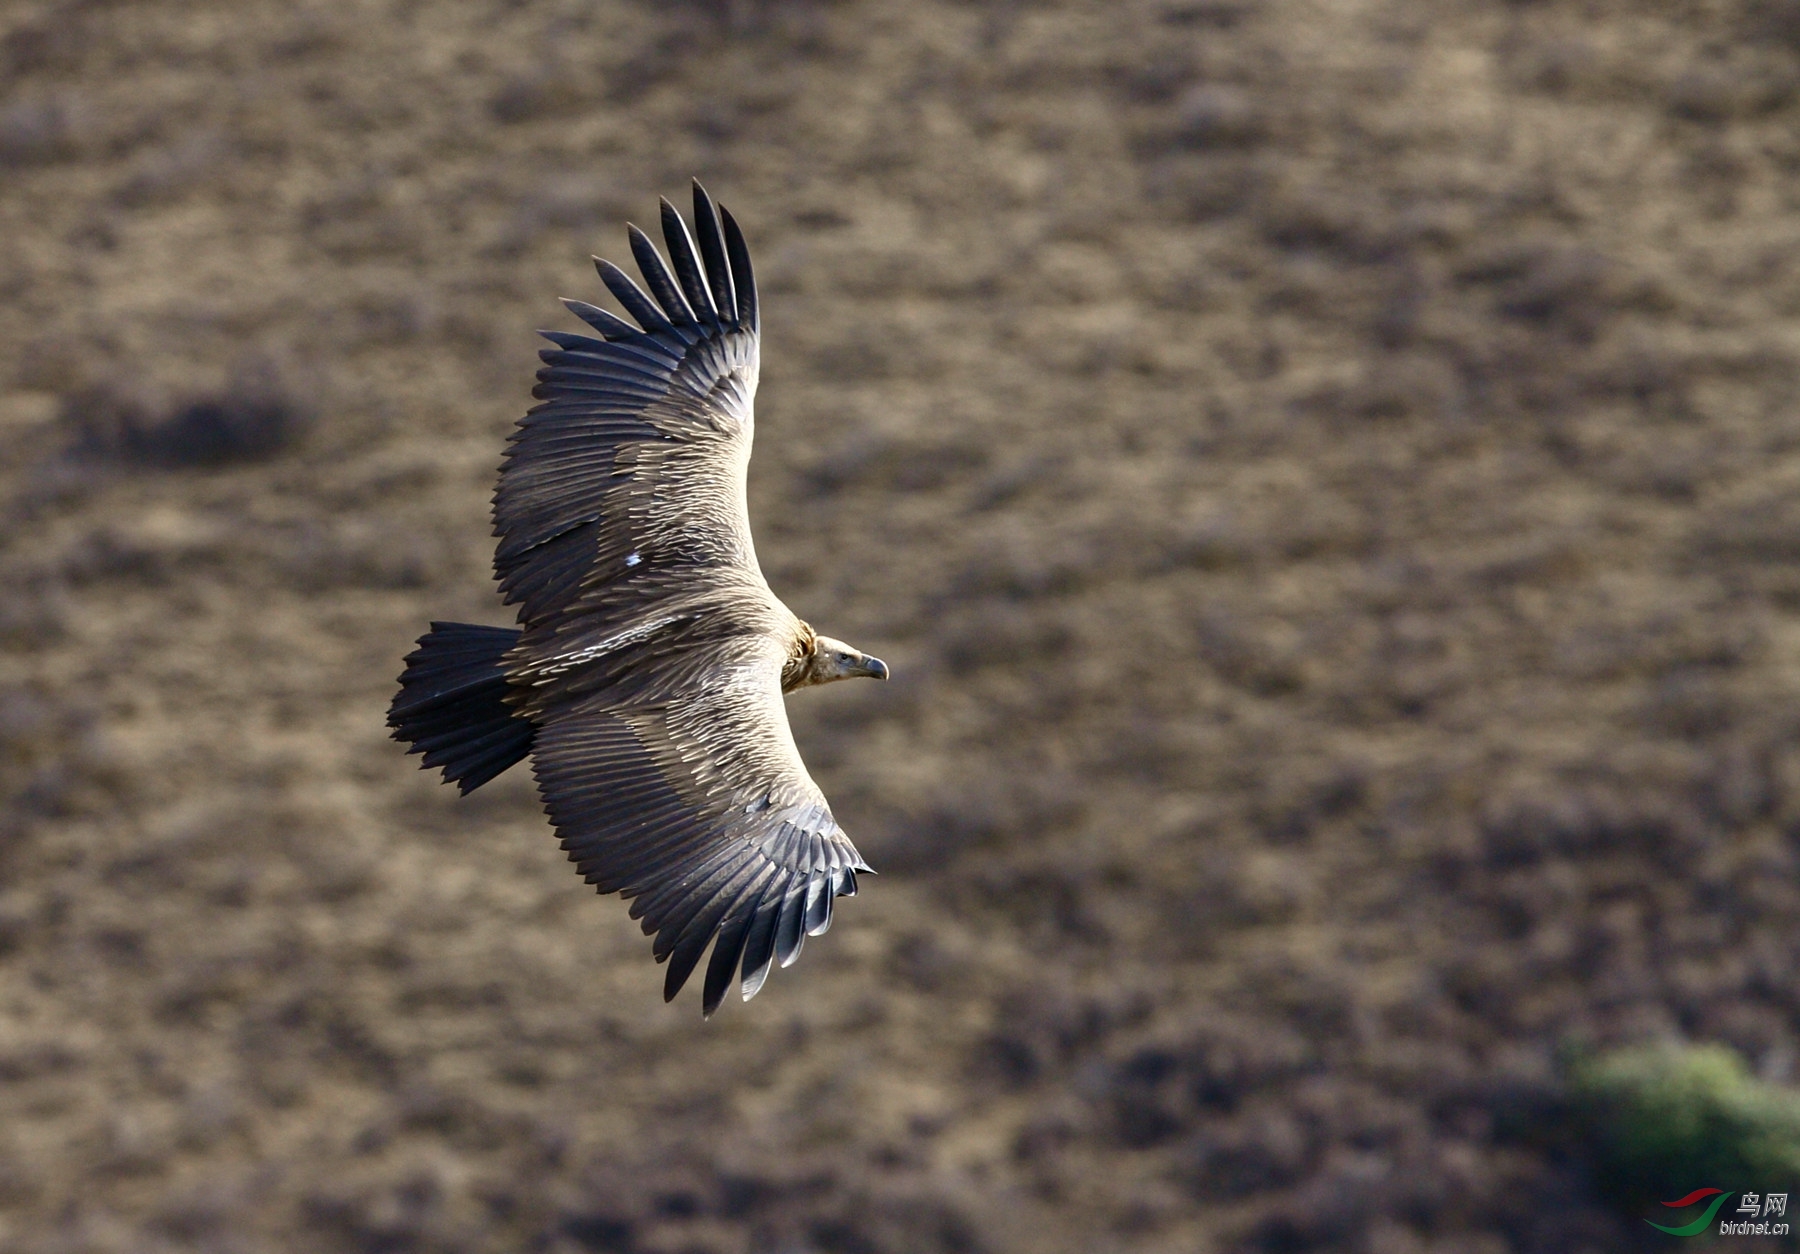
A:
749, 314
661, 282
609, 325
712, 252
687, 266
630, 295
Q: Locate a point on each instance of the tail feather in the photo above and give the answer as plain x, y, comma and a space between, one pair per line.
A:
452, 708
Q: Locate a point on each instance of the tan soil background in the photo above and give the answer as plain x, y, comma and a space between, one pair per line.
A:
1326, 477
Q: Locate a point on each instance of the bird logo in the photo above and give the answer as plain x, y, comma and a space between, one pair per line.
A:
1699, 1225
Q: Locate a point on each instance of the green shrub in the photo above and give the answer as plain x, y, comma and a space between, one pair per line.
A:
1664, 1120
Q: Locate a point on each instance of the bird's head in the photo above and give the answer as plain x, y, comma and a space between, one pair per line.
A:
833, 659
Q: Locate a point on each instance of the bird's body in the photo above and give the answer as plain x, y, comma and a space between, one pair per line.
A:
646, 677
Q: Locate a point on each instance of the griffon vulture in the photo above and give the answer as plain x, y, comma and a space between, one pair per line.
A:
647, 674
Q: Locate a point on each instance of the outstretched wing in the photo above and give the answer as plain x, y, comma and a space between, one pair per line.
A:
629, 476
694, 802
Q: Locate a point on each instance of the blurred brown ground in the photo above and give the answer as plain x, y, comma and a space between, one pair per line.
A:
1326, 477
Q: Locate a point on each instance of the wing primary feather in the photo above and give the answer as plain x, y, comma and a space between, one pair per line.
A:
759, 945
572, 347
608, 324
790, 928
662, 283
624, 382
686, 931
687, 266
630, 295
818, 906
655, 902
673, 920
645, 879
694, 938
743, 277
712, 251
653, 352
655, 855
668, 906
729, 947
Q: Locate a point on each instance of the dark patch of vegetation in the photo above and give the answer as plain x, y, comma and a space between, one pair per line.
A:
1663, 1120
248, 424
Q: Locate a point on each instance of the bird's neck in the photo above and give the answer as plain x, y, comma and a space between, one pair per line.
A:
800, 655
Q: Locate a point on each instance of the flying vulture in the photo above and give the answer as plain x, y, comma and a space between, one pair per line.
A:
647, 675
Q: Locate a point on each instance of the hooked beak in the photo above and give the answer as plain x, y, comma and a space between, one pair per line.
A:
874, 668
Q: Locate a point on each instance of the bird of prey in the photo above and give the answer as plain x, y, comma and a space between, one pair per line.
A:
646, 678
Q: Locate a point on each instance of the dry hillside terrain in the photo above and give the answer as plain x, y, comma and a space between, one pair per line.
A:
1325, 475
